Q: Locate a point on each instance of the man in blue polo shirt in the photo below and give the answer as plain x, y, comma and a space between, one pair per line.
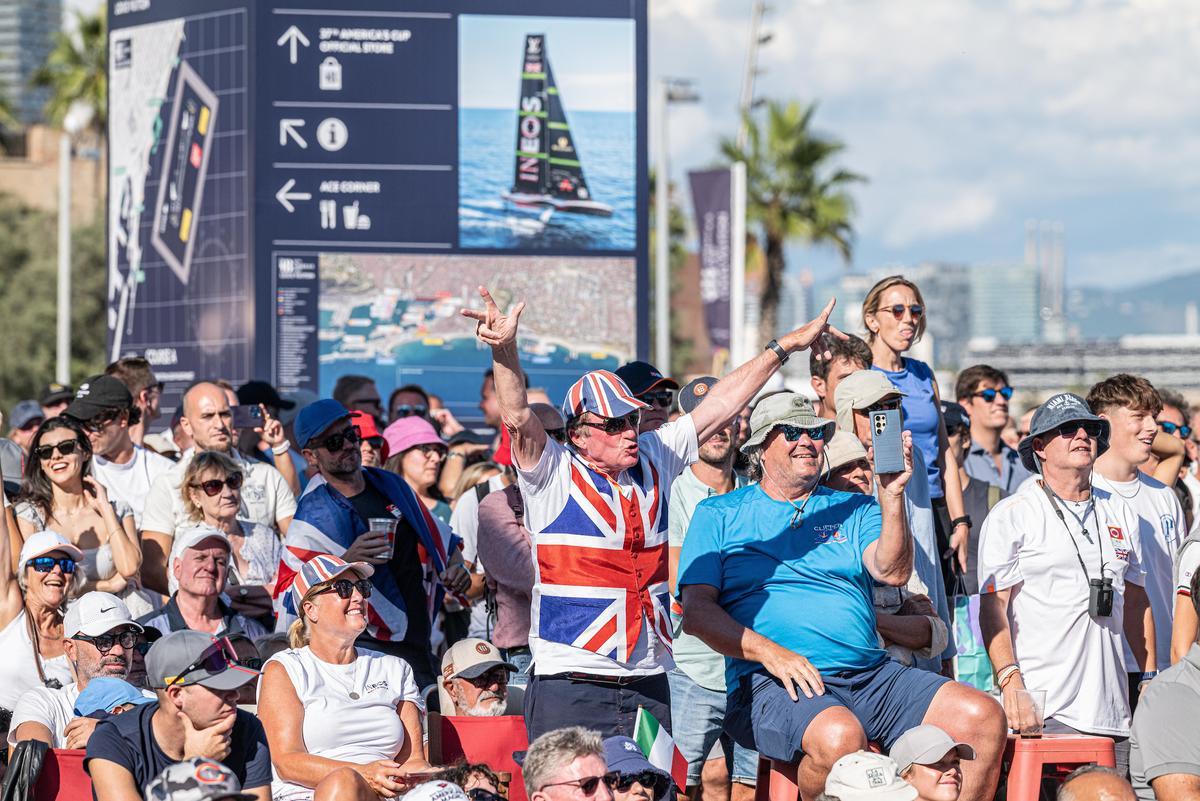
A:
777, 576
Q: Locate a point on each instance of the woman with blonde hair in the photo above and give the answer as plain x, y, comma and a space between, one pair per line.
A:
341, 723
895, 316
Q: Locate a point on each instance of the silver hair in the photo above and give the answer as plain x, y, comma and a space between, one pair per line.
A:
554, 750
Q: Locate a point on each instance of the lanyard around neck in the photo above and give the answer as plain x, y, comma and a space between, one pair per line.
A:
1091, 509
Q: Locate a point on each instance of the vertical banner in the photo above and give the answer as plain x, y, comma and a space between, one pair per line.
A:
712, 200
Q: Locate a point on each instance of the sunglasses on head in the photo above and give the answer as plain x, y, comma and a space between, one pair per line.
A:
44, 564
406, 410
661, 398
897, 310
104, 643
621, 782
335, 442
1184, 431
1092, 428
101, 421
345, 588
587, 784
214, 486
990, 394
615, 425
216, 658
793, 433
64, 448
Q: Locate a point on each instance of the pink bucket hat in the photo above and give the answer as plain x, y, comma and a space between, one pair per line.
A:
409, 432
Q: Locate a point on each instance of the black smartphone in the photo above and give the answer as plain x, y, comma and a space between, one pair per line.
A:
247, 416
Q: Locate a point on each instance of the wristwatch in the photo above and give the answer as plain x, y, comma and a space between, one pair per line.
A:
779, 351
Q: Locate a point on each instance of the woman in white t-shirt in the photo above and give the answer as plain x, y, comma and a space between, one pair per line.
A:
341, 723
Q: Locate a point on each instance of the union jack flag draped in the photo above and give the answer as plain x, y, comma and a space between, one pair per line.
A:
325, 522
602, 564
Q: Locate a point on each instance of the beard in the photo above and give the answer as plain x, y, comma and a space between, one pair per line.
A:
482, 709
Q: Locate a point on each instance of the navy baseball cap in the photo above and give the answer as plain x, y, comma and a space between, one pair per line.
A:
695, 391
1065, 407
954, 415
316, 417
24, 413
623, 756
642, 377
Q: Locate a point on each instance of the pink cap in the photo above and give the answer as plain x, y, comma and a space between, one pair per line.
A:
409, 432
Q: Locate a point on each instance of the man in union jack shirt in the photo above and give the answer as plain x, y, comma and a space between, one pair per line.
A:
596, 509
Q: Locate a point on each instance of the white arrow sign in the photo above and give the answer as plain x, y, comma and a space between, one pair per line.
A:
287, 128
285, 195
290, 37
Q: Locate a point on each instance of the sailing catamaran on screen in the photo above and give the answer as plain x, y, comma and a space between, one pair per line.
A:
548, 173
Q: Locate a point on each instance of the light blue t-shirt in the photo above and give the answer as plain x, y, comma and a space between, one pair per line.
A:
805, 588
921, 415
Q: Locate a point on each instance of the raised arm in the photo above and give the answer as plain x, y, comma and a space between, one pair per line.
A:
499, 331
10, 592
889, 559
731, 394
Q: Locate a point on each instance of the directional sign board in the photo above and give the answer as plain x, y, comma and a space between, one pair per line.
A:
402, 154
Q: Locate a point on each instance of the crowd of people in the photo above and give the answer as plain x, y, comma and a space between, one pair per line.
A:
270, 596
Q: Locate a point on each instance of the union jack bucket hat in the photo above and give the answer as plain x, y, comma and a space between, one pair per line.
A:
320, 568
600, 392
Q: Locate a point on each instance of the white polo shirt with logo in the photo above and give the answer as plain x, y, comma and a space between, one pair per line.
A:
1077, 659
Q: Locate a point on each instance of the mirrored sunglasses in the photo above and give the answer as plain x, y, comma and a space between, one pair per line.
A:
44, 564
990, 394
793, 433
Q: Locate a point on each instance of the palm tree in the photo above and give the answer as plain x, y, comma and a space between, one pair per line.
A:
793, 191
77, 69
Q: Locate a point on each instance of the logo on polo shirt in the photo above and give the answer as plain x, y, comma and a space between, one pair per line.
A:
1117, 537
830, 532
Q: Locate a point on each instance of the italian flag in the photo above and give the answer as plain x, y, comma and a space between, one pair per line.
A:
659, 748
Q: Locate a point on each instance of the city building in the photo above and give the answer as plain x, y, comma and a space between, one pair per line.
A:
1004, 303
27, 30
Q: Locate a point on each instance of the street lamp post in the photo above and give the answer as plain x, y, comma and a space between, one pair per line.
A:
670, 90
78, 117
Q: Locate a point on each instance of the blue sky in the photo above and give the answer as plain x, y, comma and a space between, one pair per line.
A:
972, 116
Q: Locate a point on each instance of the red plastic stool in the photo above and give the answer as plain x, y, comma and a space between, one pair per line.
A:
776, 781
1028, 758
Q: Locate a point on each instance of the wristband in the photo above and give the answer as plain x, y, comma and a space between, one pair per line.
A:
964, 519
456, 455
1149, 674
1006, 673
281, 448
783, 355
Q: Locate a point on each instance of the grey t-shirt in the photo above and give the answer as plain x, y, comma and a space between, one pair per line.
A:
976, 504
1163, 740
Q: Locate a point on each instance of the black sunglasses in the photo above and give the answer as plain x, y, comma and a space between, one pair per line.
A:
615, 425
345, 588
100, 421
65, 448
1170, 428
793, 433
897, 310
497, 675
405, 410
557, 434
990, 394
214, 485
104, 643
621, 782
374, 442
335, 442
1092, 428
662, 398
480, 794
44, 564
142, 646
588, 785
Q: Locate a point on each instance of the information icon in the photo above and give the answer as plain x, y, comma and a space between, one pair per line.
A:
332, 134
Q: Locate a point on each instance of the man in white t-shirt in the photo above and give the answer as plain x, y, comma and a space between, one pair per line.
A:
596, 509
99, 636
1130, 404
1061, 581
266, 497
105, 407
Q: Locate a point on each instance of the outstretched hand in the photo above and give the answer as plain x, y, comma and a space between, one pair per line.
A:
493, 328
814, 334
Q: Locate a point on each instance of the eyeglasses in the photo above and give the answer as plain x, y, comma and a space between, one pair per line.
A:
883, 406
1171, 428
557, 434
216, 658
793, 433
587, 784
662, 398
621, 782
990, 394
101, 421
497, 675
480, 794
345, 588
615, 425
1092, 428
374, 442
65, 448
898, 310
105, 642
335, 442
214, 485
406, 410
44, 564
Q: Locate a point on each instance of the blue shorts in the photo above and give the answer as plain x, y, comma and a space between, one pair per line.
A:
888, 700
697, 721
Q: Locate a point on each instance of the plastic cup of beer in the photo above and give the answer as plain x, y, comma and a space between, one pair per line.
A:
1031, 712
385, 525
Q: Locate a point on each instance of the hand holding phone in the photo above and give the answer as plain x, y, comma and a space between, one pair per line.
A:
887, 440
247, 416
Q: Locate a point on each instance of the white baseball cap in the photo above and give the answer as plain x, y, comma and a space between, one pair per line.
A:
44, 542
436, 791
194, 535
96, 613
865, 776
